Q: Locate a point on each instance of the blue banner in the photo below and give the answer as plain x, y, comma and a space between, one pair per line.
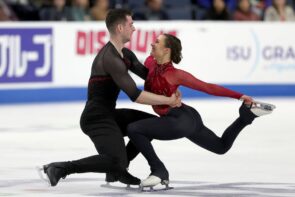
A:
26, 55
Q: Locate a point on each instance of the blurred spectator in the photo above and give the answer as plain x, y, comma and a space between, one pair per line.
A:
259, 6
206, 4
58, 11
279, 11
244, 12
39, 3
6, 14
99, 10
25, 10
80, 10
218, 11
3, 14
152, 11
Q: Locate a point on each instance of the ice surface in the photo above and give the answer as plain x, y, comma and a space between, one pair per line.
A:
260, 163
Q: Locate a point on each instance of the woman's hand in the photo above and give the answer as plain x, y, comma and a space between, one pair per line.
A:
247, 99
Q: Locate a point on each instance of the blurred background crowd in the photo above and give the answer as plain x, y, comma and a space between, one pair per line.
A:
94, 10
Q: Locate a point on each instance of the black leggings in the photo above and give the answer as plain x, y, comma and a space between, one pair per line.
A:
180, 122
107, 133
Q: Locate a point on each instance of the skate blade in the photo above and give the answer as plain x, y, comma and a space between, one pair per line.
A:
260, 108
128, 187
40, 171
152, 189
265, 106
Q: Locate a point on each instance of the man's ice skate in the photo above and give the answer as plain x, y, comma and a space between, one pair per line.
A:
259, 108
120, 187
112, 177
125, 178
41, 172
149, 183
54, 172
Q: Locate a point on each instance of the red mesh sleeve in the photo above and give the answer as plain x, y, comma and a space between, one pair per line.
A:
180, 77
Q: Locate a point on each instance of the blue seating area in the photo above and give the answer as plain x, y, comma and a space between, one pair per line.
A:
189, 9
180, 13
31, 10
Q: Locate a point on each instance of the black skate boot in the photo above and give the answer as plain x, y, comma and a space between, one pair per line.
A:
112, 177
128, 179
56, 171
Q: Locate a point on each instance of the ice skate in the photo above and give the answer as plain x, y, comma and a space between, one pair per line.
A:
128, 179
54, 172
259, 108
125, 178
120, 187
149, 183
111, 177
248, 112
41, 173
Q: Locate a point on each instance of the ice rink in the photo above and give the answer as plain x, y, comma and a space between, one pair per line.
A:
260, 163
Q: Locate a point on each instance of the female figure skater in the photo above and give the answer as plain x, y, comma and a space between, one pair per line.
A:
174, 123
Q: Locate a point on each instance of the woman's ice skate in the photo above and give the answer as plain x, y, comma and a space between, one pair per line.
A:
259, 108
153, 181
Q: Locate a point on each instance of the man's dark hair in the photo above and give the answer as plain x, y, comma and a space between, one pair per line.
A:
115, 17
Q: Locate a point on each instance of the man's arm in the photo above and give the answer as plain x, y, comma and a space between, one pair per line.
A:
119, 73
154, 99
134, 64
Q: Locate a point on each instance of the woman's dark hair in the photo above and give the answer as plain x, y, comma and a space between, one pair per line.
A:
116, 16
174, 44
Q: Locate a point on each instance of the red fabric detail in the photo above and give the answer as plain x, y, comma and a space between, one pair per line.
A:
157, 83
164, 80
150, 62
180, 77
94, 79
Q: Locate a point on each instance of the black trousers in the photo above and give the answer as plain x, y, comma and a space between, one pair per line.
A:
106, 132
181, 122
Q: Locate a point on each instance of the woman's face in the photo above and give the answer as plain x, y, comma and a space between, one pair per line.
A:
158, 47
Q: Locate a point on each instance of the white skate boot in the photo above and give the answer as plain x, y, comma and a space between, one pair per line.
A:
152, 181
259, 108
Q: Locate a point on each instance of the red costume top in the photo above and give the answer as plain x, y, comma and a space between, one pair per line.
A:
164, 79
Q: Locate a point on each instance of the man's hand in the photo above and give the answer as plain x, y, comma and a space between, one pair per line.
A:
176, 99
178, 93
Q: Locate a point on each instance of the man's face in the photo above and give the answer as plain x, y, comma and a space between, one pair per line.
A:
127, 29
